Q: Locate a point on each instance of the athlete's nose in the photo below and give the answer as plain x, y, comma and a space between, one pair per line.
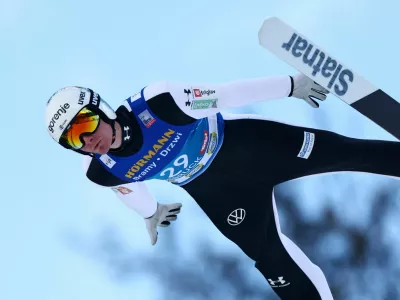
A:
88, 139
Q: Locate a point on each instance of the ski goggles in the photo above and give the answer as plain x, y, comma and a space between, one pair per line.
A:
85, 122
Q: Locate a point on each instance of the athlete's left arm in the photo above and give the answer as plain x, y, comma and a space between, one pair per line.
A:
200, 100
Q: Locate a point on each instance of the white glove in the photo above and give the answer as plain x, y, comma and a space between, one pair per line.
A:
307, 89
164, 215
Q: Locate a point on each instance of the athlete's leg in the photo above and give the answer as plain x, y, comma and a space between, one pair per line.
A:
332, 152
257, 155
276, 149
245, 212
287, 269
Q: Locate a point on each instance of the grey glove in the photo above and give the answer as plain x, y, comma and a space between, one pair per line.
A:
307, 89
164, 215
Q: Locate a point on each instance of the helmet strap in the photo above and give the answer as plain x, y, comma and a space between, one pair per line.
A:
114, 135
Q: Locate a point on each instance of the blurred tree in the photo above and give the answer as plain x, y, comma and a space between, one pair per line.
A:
368, 268
358, 263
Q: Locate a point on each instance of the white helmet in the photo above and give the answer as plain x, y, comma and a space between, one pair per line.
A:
66, 103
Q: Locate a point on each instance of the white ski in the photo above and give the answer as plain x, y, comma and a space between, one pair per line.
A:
313, 61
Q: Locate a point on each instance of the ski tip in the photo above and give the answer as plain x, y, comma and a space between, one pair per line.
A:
268, 25
270, 18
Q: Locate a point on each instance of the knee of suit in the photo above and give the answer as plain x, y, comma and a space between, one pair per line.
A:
287, 283
276, 263
268, 266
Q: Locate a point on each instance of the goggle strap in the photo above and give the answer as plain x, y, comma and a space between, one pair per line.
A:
94, 99
114, 135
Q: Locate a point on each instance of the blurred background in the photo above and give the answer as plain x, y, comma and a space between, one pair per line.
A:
65, 238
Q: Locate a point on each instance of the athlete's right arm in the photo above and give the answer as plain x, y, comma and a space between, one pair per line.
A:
135, 195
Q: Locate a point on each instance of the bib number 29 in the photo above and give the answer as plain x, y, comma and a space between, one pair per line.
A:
179, 162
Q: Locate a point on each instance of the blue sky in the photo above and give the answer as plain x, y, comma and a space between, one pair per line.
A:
116, 48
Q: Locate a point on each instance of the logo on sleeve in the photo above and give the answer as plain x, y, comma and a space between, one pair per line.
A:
204, 104
198, 98
188, 92
197, 93
122, 190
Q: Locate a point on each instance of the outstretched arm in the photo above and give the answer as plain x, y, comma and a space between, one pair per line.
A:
200, 100
137, 196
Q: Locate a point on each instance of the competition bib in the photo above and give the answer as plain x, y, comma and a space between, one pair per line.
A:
177, 154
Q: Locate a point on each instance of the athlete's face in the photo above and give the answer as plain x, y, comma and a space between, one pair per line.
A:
100, 141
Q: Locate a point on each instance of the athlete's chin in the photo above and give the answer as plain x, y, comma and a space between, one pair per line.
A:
103, 148
102, 152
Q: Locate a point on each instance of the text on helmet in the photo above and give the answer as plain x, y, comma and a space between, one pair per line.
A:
57, 115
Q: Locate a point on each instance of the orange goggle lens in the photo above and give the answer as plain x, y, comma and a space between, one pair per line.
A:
85, 122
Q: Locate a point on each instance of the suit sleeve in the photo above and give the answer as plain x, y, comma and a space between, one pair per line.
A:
200, 100
135, 195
